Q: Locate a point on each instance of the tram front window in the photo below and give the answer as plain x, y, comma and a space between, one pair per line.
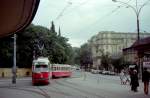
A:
41, 68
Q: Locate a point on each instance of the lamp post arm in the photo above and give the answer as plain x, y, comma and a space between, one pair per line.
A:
134, 9
142, 7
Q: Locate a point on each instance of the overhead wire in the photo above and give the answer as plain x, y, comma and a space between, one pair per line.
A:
63, 10
107, 15
83, 3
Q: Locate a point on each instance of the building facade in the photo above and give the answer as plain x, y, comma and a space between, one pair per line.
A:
111, 43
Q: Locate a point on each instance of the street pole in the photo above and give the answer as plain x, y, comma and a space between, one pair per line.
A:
14, 62
98, 79
138, 29
137, 13
139, 58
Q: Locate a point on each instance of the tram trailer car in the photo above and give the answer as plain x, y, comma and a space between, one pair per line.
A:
41, 71
61, 70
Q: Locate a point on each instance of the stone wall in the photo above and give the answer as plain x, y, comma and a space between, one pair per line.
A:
21, 72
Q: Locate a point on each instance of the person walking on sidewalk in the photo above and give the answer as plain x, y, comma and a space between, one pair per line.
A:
145, 80
134, 81
122, 76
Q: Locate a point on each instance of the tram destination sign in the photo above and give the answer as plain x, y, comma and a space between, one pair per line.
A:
40, 63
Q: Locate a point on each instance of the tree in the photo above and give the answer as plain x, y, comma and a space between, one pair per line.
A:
76, 55
6, 52
35, 41
118, 64
59, 32
105, 60
85, 56
52, 29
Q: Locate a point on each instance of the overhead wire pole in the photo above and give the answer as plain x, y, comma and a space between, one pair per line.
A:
14, 62
137, 13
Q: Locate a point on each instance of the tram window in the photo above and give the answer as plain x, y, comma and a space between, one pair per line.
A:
54, 68
41, 66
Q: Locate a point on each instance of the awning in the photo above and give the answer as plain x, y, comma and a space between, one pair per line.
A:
15, 15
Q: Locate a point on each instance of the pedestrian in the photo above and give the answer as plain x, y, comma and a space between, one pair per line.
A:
134, 81
127, 77
145, 80
122, 75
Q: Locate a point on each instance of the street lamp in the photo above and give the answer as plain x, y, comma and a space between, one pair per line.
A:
137, 11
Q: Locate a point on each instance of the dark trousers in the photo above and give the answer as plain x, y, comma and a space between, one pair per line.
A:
134, 88
146, 85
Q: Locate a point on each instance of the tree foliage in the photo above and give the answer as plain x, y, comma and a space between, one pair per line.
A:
85, 55
118, 64
6, 50
105, 60
36, 41
76, 56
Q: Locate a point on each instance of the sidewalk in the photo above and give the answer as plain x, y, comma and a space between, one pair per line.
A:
22, 89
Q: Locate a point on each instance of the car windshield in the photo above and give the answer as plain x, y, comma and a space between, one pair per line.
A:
75, 49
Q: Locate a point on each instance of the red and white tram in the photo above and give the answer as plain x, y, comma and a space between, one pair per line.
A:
41, 71
61, 70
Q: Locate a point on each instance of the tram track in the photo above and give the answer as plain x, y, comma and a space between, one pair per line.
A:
58, 90
76, 87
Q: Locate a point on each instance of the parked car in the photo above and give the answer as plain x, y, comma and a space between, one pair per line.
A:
77, 68
100, 71
112, 73
106, 72
94, 71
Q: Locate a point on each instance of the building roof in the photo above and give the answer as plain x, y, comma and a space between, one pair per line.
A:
143, 41
143, 45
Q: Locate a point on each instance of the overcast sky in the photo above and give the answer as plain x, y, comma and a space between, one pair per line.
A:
79, 20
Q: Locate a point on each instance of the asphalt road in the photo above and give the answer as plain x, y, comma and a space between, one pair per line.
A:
80, 85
